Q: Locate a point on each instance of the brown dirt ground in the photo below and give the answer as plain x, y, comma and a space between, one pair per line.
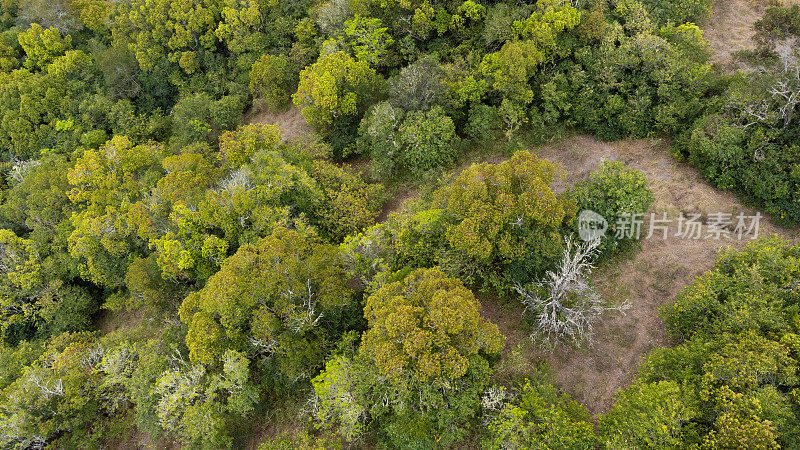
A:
291, 123
647, 278
730, 27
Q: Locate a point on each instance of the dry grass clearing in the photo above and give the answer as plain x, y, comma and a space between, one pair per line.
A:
647, 278
291, 123
730, 27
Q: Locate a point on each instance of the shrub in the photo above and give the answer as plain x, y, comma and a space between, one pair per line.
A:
615, 192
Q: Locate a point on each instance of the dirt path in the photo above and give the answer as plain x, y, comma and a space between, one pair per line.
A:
291, 123
648, 279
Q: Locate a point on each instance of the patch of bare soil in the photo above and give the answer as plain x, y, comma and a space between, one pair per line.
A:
647, 278
291, 123
108, 321
730, 27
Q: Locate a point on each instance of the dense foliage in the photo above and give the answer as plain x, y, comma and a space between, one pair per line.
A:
732, 382
172, 274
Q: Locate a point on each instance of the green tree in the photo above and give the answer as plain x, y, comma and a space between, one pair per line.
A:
653, 415
616, 193
366, 38
334, 92
42, 46
107, 185
59, 399
275, 297
197, 405
179, 32
541, 418
420, 367
511, 68
238, 146
503, 220
419, 86
415, 142
349, 203
272, 78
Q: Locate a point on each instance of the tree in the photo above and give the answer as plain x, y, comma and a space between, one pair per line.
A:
415, 142
60, 14
349, 205
249, 202
335, 91
42, 46
237, 147
540, 418
503, 221
59, 398
200, 118
107, 185
341, 397
366, 38
722, 301
39, 110
648, 415
512, 67
678, 12
426, 306
429, 141
618, 194
276, 298
179, 32
251, 28
197, 405
420, 367
378, 136
272, 79
736, 364
419, 86
739, 424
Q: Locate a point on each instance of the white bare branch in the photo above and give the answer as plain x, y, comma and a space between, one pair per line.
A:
569, 305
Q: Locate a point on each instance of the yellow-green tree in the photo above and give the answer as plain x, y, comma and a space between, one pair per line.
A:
273, 298
335, 91
504, 220
511, 68
108, 184
427, 328
421, 366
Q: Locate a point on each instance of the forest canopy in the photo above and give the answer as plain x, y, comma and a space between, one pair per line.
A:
174, 272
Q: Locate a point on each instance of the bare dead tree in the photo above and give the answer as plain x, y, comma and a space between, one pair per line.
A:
782, 86
748, 113
566, 305
786, 90
304, 316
